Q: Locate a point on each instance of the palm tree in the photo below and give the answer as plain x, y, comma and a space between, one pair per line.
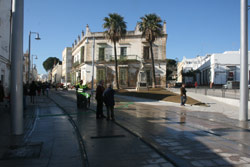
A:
115, 30
151, 28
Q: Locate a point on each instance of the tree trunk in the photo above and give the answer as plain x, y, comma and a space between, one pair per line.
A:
116, 67
153, 64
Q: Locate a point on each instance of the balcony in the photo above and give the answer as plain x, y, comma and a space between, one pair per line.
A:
122, 58
76, 63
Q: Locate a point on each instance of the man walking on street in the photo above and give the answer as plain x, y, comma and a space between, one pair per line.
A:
109, 101
183, 95
99, 98
1, 92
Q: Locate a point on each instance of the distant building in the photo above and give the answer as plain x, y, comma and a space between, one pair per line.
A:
5, 15
56, 73
66, 65
131, 52
42, 78
187, 65
216, 69
25, 67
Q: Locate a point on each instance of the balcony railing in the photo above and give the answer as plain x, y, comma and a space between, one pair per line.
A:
121, 57
76, 63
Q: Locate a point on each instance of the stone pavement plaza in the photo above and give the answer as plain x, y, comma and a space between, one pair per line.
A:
145, 133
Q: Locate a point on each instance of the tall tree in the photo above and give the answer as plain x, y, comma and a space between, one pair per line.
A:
49, 63
151, 28
115, 30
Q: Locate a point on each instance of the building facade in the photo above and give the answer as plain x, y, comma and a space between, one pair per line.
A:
215, 69
94, 50
66, 65
5, 24
187, 65
56, 74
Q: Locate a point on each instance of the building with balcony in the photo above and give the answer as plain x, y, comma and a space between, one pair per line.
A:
66, 65
132, 52
5, 15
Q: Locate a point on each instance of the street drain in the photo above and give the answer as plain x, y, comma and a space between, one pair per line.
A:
31, 150
107, 136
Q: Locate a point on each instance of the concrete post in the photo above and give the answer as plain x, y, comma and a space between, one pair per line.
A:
16, 99
243, 115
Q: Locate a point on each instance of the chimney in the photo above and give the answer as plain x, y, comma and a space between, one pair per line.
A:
82, 34
87, 30
78, 38
164, 27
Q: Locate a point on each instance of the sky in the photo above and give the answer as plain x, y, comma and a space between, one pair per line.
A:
194, 27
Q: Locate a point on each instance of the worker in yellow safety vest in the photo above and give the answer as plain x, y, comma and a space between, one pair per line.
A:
82, 95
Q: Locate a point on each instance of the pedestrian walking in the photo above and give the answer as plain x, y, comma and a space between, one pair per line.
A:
1, 92
47, 89
25, 94
43, 88
32, 92
109, 101
99, 98
39, 88
183, 95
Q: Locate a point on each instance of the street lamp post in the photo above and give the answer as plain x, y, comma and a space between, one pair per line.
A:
37, 38
16, 104
243, 115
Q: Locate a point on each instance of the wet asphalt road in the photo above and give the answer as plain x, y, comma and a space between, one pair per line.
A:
187, 138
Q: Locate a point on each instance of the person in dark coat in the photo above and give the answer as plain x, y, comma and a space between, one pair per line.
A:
109, 101
99, 98
1, 92
32, 92
183, 95
25, 94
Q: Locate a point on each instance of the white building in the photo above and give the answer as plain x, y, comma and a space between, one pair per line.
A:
187, 65
43, 77
66, 65
57, 73
131, 51
5, 14
217, 68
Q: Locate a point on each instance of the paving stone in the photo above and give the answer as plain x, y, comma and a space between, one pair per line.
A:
196, 163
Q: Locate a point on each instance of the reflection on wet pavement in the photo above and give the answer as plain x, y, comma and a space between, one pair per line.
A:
190, 135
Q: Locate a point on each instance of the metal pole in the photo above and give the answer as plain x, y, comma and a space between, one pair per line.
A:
29, 58
93, 59
32, 69
243, 115
16, 100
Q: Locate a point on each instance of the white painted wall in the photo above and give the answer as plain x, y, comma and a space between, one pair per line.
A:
5, 8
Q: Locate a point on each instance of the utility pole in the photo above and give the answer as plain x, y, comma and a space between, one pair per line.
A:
16, 100
243, 115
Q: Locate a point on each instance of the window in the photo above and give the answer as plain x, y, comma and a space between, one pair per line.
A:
146, 52
123, 51
100, 75
82, 54
101, 53
123, 76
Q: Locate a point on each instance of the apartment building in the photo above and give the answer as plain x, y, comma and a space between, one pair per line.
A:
93, 56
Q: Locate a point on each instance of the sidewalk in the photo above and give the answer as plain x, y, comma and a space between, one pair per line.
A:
225, 106
49, 139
